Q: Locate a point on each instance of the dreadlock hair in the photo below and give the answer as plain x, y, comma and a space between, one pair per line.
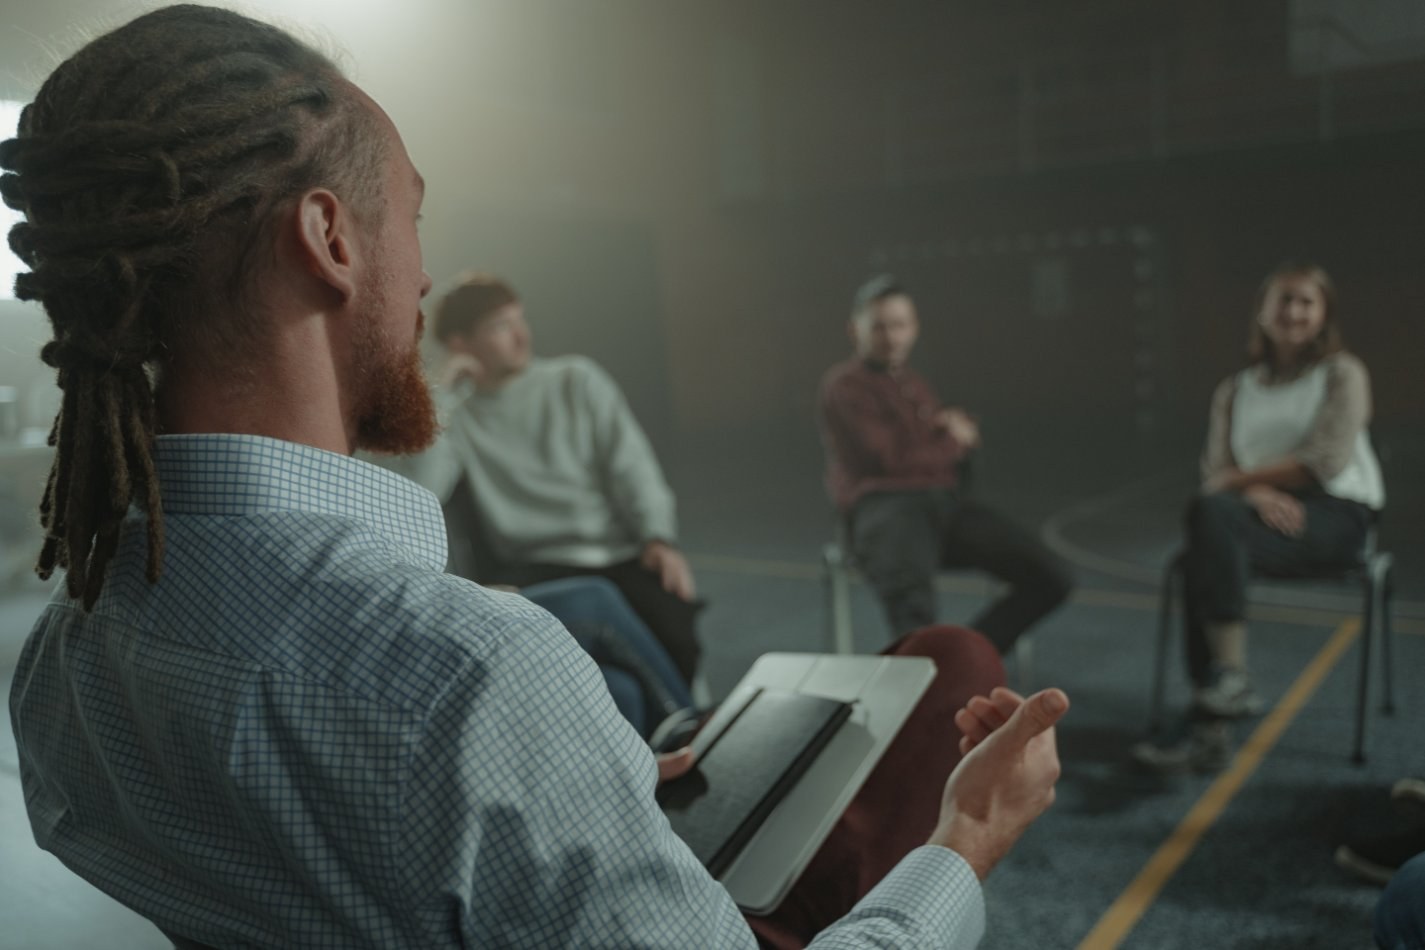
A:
150, 169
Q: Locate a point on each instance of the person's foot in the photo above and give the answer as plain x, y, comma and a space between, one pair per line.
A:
1206, 748
1409, 795
1377, 858
1230, 696
676, 730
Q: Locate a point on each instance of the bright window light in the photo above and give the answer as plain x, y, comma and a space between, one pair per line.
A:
9, 264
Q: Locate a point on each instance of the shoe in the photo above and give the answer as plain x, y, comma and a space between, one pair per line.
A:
676, 730
1206, 748
1409, 794
1377, 858
1231, 696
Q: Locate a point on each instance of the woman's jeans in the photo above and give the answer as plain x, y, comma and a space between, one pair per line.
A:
1227, 544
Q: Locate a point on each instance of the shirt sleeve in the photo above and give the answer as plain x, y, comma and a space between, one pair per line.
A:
1217, 452
530, 819
931, 899
1344, 413
638, 491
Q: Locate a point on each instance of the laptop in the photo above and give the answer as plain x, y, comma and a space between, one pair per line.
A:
869, 697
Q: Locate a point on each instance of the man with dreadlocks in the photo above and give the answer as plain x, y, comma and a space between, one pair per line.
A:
256, 710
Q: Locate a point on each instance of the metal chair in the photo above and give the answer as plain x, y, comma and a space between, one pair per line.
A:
1374, 572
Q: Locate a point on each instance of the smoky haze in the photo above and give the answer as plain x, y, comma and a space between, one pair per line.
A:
1082, 197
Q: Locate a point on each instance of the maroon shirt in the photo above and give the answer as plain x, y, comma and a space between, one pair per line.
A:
880, 433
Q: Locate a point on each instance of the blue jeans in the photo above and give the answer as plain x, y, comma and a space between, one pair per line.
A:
1400, 912
641, 677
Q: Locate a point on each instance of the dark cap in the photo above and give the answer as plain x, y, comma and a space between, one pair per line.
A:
877, 288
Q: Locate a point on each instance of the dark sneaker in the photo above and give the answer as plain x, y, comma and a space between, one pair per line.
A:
676, 730
1206, 748
1230, 697
1376, 858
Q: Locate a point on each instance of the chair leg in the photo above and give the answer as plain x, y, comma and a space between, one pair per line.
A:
838, 600
1384, 591
1166, 604
1363, 679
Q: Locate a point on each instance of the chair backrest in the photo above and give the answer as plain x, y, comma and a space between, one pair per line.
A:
471, 553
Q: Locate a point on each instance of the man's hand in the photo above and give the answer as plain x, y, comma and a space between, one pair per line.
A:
671, 567
1278, 510
1006, 779
960, 425
459, 365
673, 764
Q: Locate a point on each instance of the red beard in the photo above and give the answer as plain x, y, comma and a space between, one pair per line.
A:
398, 415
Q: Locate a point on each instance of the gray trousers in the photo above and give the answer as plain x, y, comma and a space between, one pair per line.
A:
901, 539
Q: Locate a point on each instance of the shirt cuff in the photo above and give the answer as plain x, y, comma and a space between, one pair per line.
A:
932, 898
656, 528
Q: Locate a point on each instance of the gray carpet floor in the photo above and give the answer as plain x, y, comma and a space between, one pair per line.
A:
1260, 872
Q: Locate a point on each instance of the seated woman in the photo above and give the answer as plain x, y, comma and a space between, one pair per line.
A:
1290, 487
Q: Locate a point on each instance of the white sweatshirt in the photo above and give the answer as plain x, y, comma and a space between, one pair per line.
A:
560, 470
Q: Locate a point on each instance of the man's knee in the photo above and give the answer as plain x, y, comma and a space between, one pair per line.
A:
960, 654
894, 534
602, 592
896, 570
909, 608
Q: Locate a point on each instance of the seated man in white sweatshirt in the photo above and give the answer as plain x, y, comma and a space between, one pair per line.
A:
563, 479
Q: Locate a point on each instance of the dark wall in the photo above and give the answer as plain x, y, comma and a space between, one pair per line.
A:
1091, 295
589, 284
1084, 196
1206, 231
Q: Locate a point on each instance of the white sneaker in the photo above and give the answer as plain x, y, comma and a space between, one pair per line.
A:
1230, 697
1206, 748
1409, 793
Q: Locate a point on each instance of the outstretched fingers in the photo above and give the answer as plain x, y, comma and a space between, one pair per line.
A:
983, 715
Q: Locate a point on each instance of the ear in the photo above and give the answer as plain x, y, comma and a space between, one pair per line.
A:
326, 240
852, 335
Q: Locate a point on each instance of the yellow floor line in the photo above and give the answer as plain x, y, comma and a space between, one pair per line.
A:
1124, 913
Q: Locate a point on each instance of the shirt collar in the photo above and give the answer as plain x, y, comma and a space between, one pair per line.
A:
235, 475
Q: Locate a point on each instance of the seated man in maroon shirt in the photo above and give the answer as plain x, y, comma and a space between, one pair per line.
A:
892, 456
